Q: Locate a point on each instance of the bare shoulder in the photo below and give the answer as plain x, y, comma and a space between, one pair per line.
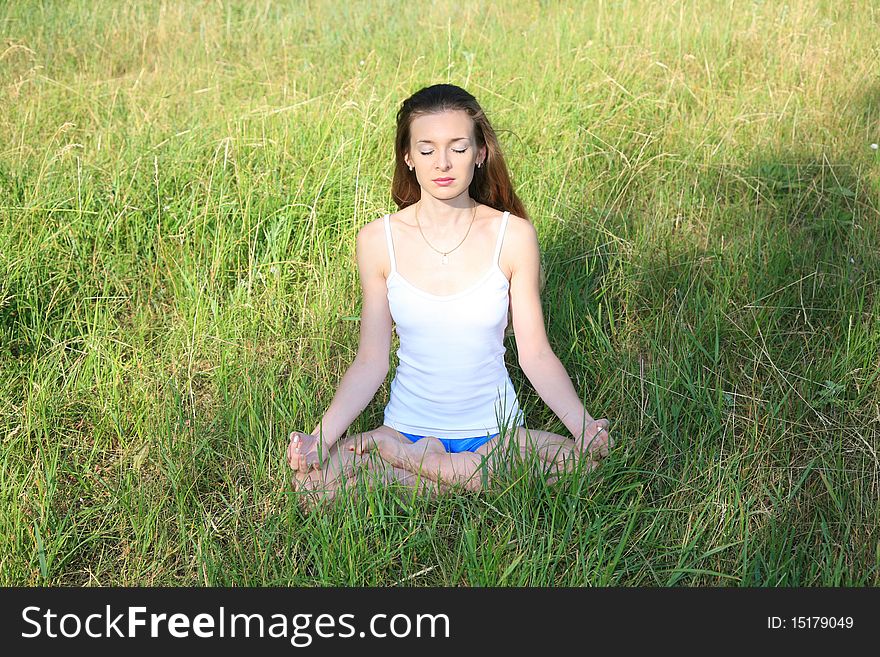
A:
520, 242
372, 229
520, 229
371, 249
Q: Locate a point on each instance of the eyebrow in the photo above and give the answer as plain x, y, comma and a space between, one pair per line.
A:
428, 141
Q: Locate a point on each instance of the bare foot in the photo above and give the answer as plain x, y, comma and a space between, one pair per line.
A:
317, 487
386, 446
399, 454
556, 471
309, 490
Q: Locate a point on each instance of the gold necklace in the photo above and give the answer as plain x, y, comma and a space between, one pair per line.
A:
444, 260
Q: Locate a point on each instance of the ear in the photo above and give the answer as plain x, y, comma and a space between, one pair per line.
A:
483, 153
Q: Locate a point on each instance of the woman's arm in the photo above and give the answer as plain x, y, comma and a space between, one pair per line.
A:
552, 383
543, 369
356, 389
370, 367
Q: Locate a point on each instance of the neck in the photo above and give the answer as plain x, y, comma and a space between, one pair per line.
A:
445, 213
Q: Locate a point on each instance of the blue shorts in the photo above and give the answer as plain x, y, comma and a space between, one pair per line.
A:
455, 445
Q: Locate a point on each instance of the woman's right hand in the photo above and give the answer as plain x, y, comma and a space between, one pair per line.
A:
302, 452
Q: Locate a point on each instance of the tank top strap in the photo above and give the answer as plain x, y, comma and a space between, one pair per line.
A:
500, 239
390, 242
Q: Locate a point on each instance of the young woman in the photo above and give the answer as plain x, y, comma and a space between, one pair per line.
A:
447, 268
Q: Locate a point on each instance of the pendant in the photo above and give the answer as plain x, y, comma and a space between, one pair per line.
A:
444, 260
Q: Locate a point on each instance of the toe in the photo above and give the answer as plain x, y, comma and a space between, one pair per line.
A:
363, 442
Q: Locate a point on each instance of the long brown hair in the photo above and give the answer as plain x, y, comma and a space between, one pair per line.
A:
491, 183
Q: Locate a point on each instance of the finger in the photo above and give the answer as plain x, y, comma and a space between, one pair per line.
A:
611, 442
357, 445
603, 442
604, 423
594, 444
364, 444
294, 455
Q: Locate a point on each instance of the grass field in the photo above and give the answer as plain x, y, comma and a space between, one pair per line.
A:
181, 184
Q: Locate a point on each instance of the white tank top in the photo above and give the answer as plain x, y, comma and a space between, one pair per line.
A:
451, 380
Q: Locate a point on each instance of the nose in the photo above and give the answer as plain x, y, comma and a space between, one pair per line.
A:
443, 162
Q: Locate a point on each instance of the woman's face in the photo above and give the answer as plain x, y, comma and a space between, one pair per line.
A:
443, 150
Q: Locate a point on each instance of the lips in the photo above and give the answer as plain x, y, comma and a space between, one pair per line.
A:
440, 180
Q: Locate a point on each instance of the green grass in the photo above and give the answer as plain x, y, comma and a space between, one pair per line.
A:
181, 185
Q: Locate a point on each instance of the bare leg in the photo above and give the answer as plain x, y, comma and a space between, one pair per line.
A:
558, 453
427, 457
343, 465
427, 466
550, 447
472, 469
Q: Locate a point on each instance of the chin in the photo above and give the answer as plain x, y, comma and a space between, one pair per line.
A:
449, 192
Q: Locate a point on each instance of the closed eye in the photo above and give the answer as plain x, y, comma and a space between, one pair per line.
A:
454, 150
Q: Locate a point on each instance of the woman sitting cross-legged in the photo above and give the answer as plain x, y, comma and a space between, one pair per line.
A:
446, 269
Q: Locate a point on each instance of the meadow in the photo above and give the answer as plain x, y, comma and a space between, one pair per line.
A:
181, 184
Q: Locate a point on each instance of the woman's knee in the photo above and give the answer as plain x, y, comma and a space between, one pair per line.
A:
550, 447
432, 444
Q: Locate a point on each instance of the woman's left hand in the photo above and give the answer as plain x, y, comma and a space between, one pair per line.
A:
302, 452
595, 440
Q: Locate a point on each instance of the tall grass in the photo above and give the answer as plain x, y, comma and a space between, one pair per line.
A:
180, 189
